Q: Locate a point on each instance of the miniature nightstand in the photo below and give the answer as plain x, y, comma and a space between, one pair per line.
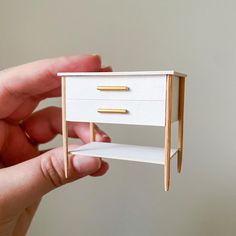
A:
154, 98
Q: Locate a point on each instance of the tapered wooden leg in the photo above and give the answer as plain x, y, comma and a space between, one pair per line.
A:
181, 122
168, 130
64, 127
92, 132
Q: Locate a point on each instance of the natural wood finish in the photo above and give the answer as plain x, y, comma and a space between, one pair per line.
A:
64, 127
112, 88
168, 130
92, 131
112, 110
181, 122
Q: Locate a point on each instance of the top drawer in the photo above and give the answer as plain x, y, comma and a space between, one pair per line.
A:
135, 87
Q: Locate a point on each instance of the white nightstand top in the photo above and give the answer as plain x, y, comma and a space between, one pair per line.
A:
167, 72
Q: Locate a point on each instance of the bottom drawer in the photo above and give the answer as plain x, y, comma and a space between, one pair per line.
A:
138, 112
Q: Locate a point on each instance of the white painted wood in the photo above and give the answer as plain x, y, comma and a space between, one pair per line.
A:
140, 87
167, 72
139, 112
123, 152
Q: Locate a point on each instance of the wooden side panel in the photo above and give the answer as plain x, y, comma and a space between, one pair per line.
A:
64, 127
181, 122
175, 99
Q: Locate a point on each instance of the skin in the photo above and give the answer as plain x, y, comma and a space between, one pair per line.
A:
26, 173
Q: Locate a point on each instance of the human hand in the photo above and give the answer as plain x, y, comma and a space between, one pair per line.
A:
27, 174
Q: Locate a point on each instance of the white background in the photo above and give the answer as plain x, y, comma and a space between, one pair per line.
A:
195, 37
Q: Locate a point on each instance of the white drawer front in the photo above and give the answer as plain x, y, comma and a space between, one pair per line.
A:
140, 87
139, 112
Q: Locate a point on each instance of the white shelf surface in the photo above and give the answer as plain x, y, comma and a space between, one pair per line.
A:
126, 152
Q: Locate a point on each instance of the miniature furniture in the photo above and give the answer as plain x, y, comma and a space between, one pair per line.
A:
152, 98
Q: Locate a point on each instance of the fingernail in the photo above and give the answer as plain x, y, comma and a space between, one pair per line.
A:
106, 69
98, 137
97, 55
86, 165
101, 136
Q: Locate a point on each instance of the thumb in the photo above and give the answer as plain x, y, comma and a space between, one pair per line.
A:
28, 181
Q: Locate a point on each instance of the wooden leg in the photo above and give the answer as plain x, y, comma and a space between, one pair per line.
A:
168, 130
92, 132
64, 127
181, 122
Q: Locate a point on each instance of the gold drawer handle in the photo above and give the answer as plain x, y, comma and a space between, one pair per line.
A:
112, 110
112, 88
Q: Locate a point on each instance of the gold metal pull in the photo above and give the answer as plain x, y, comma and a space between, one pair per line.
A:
112, 110
112, 88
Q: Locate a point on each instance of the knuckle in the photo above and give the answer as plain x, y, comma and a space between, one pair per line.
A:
52, 170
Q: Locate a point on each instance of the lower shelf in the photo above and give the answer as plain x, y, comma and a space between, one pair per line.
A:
126, 152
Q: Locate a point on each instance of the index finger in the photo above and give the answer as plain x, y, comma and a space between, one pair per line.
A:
34, 79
